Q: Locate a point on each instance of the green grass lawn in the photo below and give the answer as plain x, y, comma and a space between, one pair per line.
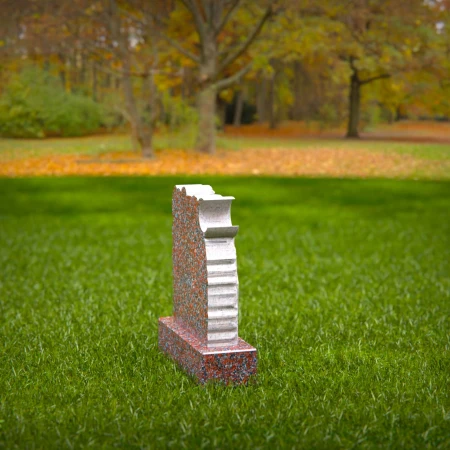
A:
94, 145
344, 290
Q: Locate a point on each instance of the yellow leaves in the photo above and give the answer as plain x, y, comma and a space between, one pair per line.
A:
116, 65
261, 62
164, 83
314, 161
227, 95
396, 87
285, 94
180, 19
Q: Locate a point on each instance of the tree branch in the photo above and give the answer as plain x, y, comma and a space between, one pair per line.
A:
227, 82
144, 74
192, 7
187, 4
377, 77
351, 61
173, 42
246, 44
229, 14
206, 9
180, 48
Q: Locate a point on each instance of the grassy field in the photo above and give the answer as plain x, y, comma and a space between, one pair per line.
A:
95, 145
345, 291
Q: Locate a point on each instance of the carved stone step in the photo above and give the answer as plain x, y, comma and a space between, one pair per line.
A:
224, 269
222, 301
224, 338
226, 290
222, 325
222, 281
222, 313
218, 262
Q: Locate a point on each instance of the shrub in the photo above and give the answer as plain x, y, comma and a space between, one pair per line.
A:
178, 112
34, 105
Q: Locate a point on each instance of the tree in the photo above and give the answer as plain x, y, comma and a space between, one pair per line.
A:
293, 58
354, 99
121, 35
75, 35
379, 39
217, 49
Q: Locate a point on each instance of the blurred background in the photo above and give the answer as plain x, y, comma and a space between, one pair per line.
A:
158, 75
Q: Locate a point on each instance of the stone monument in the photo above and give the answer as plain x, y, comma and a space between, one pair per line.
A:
202, 334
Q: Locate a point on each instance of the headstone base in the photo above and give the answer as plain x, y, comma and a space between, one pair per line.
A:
231, 365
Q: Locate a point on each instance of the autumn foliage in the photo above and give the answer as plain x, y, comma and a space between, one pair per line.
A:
354, 64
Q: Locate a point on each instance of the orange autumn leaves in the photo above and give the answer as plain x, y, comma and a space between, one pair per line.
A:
324, 161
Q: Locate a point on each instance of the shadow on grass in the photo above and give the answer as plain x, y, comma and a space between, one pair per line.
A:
263, 195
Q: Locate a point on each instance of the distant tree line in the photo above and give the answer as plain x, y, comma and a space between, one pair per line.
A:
68, 67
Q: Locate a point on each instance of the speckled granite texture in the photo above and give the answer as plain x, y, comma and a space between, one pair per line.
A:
202, 335
190, 279
230, 365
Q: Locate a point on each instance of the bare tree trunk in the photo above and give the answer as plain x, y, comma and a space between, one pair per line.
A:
94, 81
206, 138
221, 112
147, 149
75, 72
391, 116
207, 99
238, 109
400, 113
82, 69
70, 74
145, 142
271, 104
107, 81
62, 70
299, 100
262, 95
143, 136
140, 134
354, 106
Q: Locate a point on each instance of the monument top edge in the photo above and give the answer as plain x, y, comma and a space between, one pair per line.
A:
202, 192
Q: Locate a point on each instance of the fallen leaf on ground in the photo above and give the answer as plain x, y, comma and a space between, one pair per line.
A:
276, 161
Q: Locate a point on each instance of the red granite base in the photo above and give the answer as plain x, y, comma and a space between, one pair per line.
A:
231, 365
